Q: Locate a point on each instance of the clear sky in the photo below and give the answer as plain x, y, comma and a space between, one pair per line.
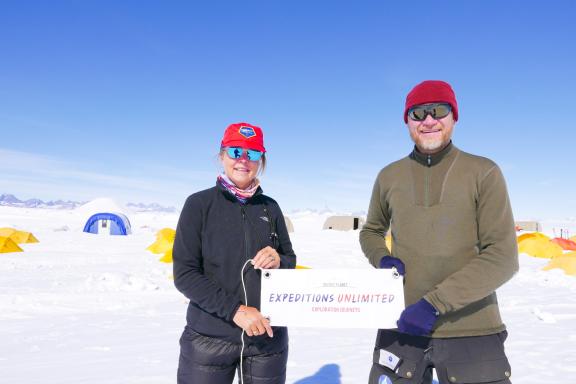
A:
129, 99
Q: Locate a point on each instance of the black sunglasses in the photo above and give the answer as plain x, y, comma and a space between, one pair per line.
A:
436, 110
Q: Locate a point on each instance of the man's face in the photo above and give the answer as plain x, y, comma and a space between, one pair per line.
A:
431, 135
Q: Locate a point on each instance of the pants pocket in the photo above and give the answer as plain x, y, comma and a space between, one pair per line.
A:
479, 359
406, 368
491, 371
399, 358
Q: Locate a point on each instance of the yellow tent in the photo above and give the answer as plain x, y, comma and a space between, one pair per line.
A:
389, 242
6, 232
168, 233
19, 237
540, 247
533, 235
164, 242
566, 262
8, 245
167, 258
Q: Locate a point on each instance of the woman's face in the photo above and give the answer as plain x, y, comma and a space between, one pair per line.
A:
240, 171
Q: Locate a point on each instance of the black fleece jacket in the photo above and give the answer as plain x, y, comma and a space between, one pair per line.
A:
215, 236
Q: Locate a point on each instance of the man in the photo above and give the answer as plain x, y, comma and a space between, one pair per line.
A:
453, 238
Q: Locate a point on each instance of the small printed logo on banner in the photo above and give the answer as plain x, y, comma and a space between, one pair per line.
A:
247, 132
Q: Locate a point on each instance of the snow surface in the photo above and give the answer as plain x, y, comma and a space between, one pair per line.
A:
83, 308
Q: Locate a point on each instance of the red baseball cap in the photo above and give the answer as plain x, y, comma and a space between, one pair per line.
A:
431, 91
244, 135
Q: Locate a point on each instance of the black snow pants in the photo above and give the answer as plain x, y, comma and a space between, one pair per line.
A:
405, 359
207, 360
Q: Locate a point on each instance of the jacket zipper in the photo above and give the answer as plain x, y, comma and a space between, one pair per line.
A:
427, 181
245, 232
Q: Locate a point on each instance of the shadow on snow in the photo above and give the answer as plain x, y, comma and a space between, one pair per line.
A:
328, 374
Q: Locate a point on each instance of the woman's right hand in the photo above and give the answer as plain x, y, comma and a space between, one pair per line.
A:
252, 322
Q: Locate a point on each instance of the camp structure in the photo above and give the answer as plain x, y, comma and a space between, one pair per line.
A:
163, 244
566, 262
532, 226
108, 223
388, 240
19, 237
164, 241
8, 245
99, 206
538, 245
167, 258
289, 225
566, 244
533, 235
343, 223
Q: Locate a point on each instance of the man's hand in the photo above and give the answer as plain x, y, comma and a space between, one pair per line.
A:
418, 319
389, 262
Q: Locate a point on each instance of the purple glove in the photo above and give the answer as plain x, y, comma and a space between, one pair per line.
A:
387, 262
418, 319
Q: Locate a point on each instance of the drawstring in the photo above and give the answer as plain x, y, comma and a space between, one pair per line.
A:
241, 378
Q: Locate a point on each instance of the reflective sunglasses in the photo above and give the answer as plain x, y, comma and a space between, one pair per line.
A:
238, 152
436, 110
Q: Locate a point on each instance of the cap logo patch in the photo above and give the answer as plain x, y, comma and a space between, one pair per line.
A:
247, 132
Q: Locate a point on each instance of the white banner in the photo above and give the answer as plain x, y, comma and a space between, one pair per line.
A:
332, 298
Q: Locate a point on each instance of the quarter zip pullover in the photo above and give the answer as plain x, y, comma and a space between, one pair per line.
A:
452, 226
215, 236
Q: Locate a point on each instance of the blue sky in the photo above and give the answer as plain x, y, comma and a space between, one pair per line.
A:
129, 99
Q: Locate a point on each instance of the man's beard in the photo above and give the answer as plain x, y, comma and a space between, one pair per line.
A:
431, 144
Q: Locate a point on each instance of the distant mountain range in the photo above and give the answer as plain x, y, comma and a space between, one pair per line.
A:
152, 207
12, 201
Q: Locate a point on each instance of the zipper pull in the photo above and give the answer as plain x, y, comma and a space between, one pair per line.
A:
429, 160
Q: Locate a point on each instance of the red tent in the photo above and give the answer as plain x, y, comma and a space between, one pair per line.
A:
567, 245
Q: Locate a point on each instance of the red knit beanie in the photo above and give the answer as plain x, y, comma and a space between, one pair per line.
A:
244, 135
431, 91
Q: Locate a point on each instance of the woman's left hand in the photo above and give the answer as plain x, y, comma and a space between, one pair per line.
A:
266, 258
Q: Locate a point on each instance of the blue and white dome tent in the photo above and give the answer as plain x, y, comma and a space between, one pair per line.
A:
108, 223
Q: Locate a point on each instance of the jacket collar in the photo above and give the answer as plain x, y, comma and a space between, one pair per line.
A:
228, 195
433, 159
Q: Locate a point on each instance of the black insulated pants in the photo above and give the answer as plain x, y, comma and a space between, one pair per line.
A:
207, 360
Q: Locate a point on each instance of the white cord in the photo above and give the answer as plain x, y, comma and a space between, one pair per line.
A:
241, 378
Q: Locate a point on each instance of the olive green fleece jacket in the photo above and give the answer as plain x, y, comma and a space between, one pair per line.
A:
451, 223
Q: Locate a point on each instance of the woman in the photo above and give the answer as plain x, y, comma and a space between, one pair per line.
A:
225, 236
